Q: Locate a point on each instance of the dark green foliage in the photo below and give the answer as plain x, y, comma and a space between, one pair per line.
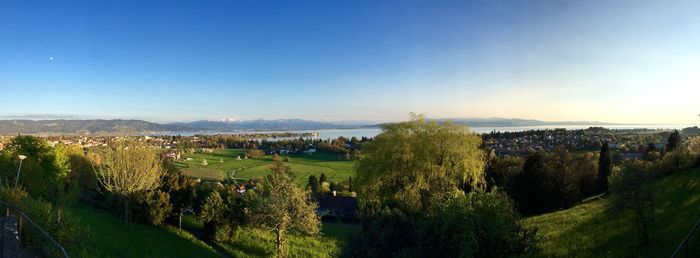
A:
674, 140
323, 178
58, 222
151, 207
604, 168
225, 209
43, 172
313, 184
476, 225
535, 191
500, 172
553, 181
630, 190
183, 192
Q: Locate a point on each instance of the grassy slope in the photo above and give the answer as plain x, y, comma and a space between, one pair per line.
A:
258, 243
110, 238
301, 165
588, 231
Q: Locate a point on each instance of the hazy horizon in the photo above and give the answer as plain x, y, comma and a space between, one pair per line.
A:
41, 117
616, 62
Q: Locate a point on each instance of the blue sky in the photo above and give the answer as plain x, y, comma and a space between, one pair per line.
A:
614, 61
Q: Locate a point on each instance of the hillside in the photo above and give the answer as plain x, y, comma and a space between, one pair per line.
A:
588, 231
102, 126
78, 126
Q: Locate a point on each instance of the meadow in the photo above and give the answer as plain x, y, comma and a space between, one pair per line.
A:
253, 242
109, 237
223, 163
587, 230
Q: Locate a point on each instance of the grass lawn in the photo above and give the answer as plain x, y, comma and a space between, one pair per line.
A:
258, 243
335, 168
252, 242
588, 231
110, 238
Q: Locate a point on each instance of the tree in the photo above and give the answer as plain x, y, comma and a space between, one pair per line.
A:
253, 153
501, 171
630, 191
127, 169
182, 190
604, 168
44, 171
417, 165
323, 178
313, 184
536, 190
285, 207
674, 140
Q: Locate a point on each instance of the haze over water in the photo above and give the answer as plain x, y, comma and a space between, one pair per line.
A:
372, 132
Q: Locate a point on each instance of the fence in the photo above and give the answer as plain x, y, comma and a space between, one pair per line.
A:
32, 235
684, 249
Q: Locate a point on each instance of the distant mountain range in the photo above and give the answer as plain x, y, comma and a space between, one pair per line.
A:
100, 126
514, 122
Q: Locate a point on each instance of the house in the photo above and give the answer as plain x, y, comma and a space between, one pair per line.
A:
171, 155
631, 155
338, 207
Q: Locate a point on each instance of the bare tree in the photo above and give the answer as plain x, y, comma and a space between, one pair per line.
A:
128, 168
286, 207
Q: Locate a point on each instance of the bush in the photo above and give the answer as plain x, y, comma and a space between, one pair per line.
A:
476, 225
59, 223
677, 160
152, 207
254, 153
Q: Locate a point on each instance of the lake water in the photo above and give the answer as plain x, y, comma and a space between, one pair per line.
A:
371, 132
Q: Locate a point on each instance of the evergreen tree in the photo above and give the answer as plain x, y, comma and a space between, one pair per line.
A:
313, 184
323, 178
674, 140
604, 168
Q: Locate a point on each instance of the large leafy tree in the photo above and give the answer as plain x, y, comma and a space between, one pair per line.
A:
286, 207
43, 172
416, 165
630, 190
128, 169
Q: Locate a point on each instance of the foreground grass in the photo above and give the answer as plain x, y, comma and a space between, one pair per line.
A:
251, 242
110, 238
259, 243
589, 231
335, 168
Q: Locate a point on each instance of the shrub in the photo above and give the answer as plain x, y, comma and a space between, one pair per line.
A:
254, 153
60, 224
475, 225
152, 207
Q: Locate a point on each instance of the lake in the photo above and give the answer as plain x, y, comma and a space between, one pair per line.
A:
371, 132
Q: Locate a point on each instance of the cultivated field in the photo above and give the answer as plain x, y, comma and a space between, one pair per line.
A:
223, 163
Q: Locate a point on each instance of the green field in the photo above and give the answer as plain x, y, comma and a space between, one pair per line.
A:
108, 237
588, 231
335, 168
252, 242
